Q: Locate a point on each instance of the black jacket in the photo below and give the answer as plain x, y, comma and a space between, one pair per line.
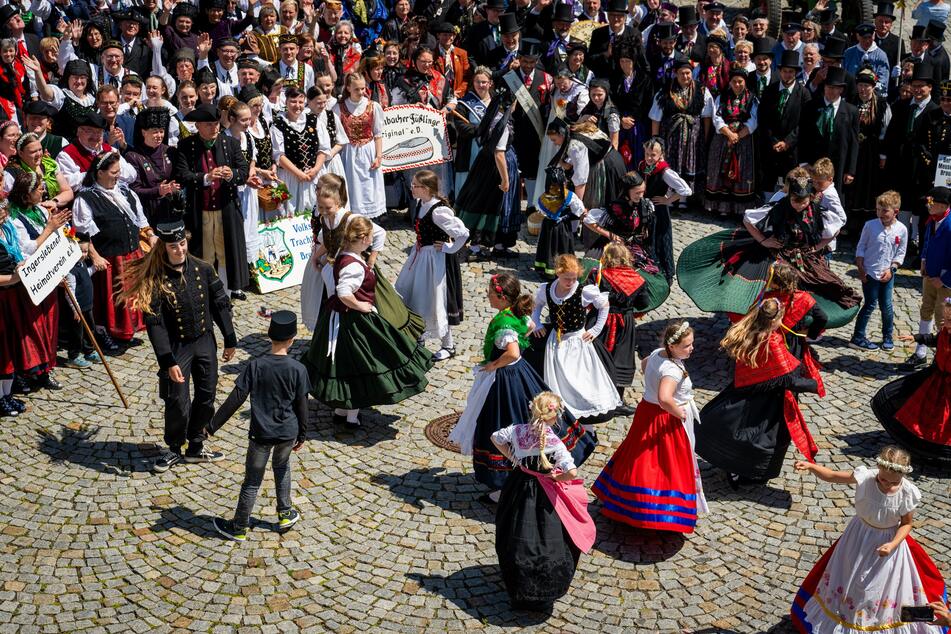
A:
843, 145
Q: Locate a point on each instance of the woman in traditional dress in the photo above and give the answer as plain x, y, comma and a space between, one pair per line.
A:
596, 167
362, 122
345, 50
574, 362
876, 568
874, 117
10, 339
568, 98
161, 196
430, 281
631, 95
112, 216
263, 40
74, 96
681, 115
330, 133
916, 409
357, 359
748, 426
503, 385
652, 480
470, 110
803, 319
730, 169
714, 72
727, 271
240, 118
35, 328
562, 212
489, 202
542, 524
295, 146
371, 67
31, 158
601, 111
575, 55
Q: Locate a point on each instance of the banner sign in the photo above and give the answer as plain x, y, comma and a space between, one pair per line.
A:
414, 136
47, 267
942, 176
283, 253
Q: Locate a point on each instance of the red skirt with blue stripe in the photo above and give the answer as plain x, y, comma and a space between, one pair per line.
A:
649, 481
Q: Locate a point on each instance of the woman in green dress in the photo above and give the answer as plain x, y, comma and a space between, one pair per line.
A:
31, 158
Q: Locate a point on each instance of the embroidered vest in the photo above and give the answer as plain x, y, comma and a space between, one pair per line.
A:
359, 128
263, 148
568, 316
367, 290
83, 157
118, 234
300, 147
427, 231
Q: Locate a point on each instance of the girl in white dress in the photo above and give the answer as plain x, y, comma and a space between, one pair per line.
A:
363, 124
295, 148
240, 117
576, 366
430, 281
330, 133
876, 567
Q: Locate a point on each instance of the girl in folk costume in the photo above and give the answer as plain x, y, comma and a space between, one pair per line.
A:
631, 95
575, 364
362, 121
542, 524
14, 84
10, 296
74, 96
472, 107
562, 210
568, 98
876, 567
312, 285
240, 118
628, 296
32, 158
730, 172
34, 329
803, 319
358, 359
345, 50
748, 426
260, 133
395, 68
664, 188
503, 384
331, 135
371, 67
681, 115
112, 216
601, 112
714, 73
489, 202
916, 409
597, 169
430, 281
295, 145
162, 198
187, 98
652, 480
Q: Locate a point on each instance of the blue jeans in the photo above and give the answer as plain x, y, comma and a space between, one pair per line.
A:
254, 467
876, 293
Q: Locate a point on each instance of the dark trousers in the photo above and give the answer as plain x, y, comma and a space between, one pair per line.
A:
186, 417
254, 466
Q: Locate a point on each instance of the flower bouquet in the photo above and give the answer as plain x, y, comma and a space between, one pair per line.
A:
274, 196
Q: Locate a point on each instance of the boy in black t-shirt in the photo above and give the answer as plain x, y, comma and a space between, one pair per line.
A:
278, 386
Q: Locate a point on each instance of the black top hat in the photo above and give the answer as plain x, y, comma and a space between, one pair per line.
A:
935, 31
687, 15
7, 11
444, 27
790, 59
834, 48
866, 76
761, 47
204, 113
664, 31
939, 194
170, 231
791, 18
90, 119
40, 108
616, 6
923, 71
826, 16
918, 32
563, 13
149, 118
508, 23
885, 9
865, 29
529, 48
835, 76
495, 4
283, 325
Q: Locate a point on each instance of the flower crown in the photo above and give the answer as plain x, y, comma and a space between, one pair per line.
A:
893, 466
677, 334
102, 158
26, 138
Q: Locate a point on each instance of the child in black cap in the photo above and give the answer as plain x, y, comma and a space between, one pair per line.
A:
278, 386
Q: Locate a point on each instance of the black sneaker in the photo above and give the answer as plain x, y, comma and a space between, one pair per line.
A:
47, 382
7, 408
167, 461
204, 455
107, 344
914, 361
286, 519
20, 385
228, 530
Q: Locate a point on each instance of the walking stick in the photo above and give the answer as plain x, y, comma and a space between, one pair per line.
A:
92, 337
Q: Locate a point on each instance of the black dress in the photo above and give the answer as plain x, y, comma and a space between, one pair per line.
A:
867, 185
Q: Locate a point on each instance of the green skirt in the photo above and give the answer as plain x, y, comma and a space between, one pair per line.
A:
391, 308
374, 363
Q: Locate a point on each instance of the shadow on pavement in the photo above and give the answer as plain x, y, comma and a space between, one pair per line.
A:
865, 444
478, 591
717, 487
375, 427
116, 457
456, 492
633, 545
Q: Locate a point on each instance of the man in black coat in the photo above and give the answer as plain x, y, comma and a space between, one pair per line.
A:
135, 48
832, 56
501, 58
764, 76
485, 37
599, 58
937, 56
211, 167
690, 43
893, 45
780, 110
829, 128
662, 63
12, 26
556, 45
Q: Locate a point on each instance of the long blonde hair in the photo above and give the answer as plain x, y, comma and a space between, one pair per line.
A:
544, 408
144, 280
746, 337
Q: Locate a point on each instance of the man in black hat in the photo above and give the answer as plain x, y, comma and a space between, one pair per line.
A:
12, 26
780, 110
901, 145
827, 20
713, 19
791, 36
832, 54
867, 54
662, 62
486, 36
763, 77
210, 167
182, 300
502, 57
893, 45
919, 45
38, 116
937, 56
829, 128
136, 52
600, 48
690, 42
556, 47
77, 157
450, 60
290, 69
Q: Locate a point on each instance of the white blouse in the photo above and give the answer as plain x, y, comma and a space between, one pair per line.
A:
323, 135
719, 123
656, 369
445, 219
523, 443
577, 157
590, 296
879, 509
378, 236
657, 112
358, 108
277, 137
82, 212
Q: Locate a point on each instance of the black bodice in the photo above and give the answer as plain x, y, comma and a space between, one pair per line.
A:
568, 316
427, 231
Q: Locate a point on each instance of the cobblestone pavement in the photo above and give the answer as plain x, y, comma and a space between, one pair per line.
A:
393, 538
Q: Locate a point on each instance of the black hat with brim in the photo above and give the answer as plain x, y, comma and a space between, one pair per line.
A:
248, 93
616, 6
7, 11
866, 76
508, 23
204, 113
687, 15
283, 325
835, 76
495, 4
529, 48
562, 13
665, 31
885, 9
935, 31
939, 195
444, 27
865, 29
826, 16
923, 71
834, 48
90, 119
40, 108
170, 232
761, 46
918, 32
790, 59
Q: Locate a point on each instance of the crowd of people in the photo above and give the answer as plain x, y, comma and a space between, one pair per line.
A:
158, 136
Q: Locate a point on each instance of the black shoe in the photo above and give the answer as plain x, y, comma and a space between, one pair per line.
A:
238, 295
7, 408
20, 385
486, 499
107, 344
227, 529
17, 403
167, 461
502, 254
624, 410
352, 425
338, 419
205, 455
47, 382
914, 361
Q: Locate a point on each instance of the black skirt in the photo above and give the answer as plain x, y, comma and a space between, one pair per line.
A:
624, 353
536, 554
553, 240
890, 399
454, 312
